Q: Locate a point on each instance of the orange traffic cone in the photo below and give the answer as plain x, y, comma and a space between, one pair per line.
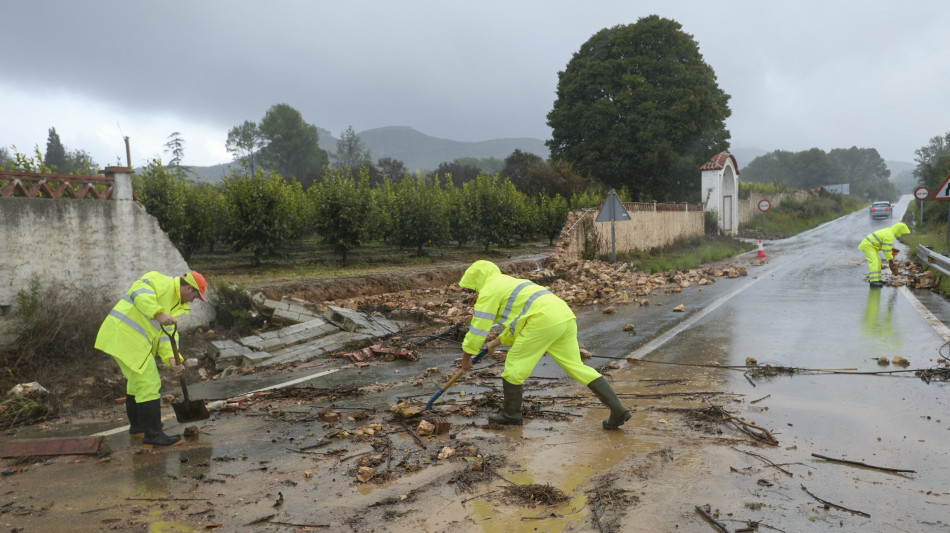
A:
761, 253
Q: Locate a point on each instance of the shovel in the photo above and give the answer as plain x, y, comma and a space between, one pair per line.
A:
453, 379
188, 410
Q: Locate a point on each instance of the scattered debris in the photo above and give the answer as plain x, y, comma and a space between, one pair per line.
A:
535, 493
425, 428
446, 453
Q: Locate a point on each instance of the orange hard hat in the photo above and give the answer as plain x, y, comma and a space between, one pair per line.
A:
197, 281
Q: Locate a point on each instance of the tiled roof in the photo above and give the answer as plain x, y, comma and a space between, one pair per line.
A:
718, 162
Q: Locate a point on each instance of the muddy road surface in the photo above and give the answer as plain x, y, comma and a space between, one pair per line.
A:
815, 434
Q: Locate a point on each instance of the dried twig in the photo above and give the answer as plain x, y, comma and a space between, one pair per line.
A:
763, 436
413, 434
852, 511
760, 399
479, 496
786, 472
704, 512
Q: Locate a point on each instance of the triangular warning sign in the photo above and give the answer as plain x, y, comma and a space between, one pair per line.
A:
943, 191
612, 209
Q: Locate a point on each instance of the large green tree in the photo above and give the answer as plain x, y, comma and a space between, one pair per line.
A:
866, 172
55, 157
638, 107
292, 148
933, 162
244, 141
517, 166
351, 151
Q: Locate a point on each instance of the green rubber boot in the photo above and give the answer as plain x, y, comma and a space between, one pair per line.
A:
511, 408
150, 416
618, 413
131, 411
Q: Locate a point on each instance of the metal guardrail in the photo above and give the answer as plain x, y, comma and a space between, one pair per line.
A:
933, 259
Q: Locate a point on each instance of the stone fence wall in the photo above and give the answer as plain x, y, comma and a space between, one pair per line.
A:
647, 228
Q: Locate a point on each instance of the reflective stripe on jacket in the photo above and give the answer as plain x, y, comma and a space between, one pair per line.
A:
510, 302
883, 239
130, 332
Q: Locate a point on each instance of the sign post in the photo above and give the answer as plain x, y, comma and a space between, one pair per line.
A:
921, 194
943, 193
612, 210
764, 205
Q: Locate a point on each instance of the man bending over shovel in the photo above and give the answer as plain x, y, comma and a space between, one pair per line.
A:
132, 335
535, 322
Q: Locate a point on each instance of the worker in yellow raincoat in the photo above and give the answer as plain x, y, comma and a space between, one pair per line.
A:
881, 240
535, 322
133, 335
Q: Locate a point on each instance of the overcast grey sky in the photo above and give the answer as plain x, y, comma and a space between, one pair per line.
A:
801, 74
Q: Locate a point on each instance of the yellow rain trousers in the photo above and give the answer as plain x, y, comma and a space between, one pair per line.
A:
535, 322
132, 336
881, 240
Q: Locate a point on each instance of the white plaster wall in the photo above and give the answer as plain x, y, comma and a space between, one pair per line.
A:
89, 244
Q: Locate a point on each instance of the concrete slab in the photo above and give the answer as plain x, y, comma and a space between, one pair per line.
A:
287, 312
351, 320
309, 351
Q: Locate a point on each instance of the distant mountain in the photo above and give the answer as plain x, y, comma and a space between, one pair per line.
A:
419, 151
416, 150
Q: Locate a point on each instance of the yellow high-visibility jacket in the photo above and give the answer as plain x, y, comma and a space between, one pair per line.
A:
130, 332
883, 239
510, 302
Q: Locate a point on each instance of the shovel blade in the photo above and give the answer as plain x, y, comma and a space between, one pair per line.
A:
190, 411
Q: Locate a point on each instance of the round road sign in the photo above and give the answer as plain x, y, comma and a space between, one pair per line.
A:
921, 193
764, 205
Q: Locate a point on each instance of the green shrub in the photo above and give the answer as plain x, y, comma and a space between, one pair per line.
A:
55, 331
235, 310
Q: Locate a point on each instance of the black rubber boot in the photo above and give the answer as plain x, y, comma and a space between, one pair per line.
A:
131, 410
618, 413
511, 408
150, 416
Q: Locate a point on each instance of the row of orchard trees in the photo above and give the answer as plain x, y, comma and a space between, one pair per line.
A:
263, 213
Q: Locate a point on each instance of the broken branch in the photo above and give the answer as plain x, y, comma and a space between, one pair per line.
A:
856, 463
